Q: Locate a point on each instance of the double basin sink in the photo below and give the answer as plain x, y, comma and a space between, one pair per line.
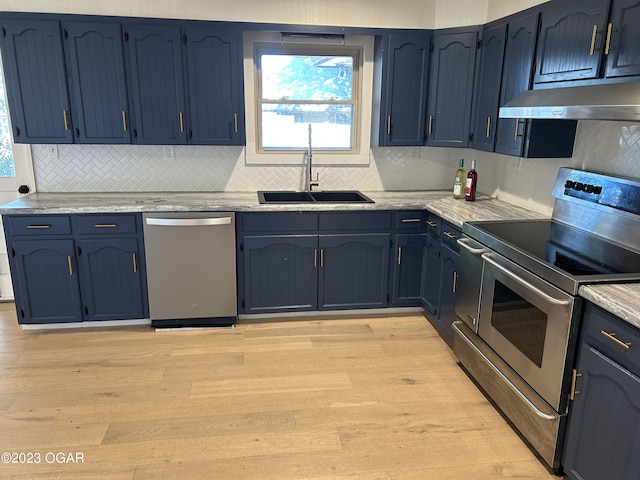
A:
332, 196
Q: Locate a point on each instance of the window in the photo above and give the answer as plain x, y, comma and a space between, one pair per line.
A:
303, 86
290, 86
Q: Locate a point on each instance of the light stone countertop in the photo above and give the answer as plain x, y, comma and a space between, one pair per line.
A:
621, 299
437, 201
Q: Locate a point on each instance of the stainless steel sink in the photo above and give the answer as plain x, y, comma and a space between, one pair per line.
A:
331, 196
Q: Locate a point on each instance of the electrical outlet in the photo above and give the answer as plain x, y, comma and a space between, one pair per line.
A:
52, 152
169, 152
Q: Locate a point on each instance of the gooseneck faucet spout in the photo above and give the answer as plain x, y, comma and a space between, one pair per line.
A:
310, 181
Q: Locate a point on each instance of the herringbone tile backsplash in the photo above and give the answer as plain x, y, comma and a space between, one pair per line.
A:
612, 147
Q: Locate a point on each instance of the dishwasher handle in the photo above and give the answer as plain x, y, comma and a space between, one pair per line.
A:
188, 222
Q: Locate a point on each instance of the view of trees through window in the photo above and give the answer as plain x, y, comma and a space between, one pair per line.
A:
7, 168
298, 90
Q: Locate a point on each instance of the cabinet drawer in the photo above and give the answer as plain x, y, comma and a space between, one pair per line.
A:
39, 224
288, 222
433, 224
379, 221
598, 328
450, 235
104, 224
409, 220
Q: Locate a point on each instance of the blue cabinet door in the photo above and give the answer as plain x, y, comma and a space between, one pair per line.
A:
112, 278
95, 61
156, 83
407, 268
405, 89
623, 54
353, 271
216, 99
448, 287
604, 420
451, 88
431, 268
36, 81
47, 281
488, 87
280, 273
571, 40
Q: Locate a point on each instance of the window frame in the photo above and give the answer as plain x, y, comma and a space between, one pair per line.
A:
361, 137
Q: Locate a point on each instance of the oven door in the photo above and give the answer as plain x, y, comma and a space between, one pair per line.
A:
528, 323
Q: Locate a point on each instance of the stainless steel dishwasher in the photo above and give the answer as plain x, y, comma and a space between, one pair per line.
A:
191, 268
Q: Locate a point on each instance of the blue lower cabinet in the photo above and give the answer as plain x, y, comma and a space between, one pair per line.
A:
112, 278
280, 273
406, 264
353, 271
47, 281
431, 268
448, 286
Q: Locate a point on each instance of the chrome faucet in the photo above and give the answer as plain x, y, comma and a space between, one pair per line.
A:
310, 181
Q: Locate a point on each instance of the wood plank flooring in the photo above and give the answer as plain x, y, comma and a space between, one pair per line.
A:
339, 399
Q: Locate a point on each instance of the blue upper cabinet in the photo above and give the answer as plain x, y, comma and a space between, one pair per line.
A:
156, 82
571, 41
487, 94
96, 70
36, 81
215, 86
451, 87
622, 45
405, 59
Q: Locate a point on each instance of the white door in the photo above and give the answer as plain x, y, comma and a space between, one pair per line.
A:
16, 168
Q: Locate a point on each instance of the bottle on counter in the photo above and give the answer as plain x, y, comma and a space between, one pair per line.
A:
472, 183
458, 183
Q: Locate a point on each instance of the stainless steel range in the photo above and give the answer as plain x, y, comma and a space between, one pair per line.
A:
517, 297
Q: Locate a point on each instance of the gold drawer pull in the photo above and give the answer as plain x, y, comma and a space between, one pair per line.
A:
593, 40
432, 224
450, 235
106, 225
410, 220
573, 392
612, 337
35, 227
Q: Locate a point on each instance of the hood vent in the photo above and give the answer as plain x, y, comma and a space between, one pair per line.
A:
617, 101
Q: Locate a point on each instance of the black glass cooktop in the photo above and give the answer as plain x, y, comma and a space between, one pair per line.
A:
572, 250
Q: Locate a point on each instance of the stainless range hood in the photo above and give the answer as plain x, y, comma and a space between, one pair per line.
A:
619, 101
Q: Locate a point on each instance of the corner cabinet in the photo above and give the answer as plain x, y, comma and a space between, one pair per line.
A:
403, 65
451, 87
602, 438
77, 268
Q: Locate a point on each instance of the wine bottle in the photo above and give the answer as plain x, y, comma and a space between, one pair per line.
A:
472, 183
458, 183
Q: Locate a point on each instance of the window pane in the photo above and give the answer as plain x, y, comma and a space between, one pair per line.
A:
7, 168
306, 77
286, 126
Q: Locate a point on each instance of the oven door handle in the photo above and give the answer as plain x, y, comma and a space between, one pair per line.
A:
504, 378
487, 258
475, 251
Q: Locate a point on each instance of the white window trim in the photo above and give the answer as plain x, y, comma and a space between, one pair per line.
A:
362, 154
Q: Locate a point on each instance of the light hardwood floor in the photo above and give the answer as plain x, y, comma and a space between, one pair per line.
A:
340, 399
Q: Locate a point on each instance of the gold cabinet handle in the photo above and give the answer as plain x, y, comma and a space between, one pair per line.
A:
430, 124
235, 123
450, 235
66, 120
573, 392
488, 127
106, 225
70, 265
410, 220
124, 121
388, 124
38, 227
608, 46
432, 224
181, 122
135, 263
399, 255
322, 258
612, 336
455, 281
593, 40
315, 257
516, 134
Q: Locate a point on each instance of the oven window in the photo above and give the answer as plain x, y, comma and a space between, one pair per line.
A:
520, 322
